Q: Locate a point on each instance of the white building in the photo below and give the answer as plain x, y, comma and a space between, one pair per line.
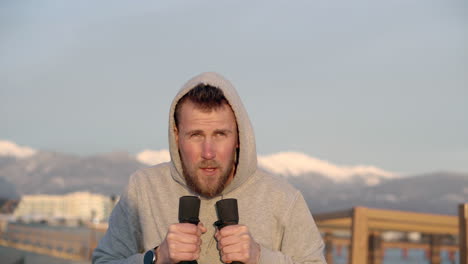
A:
78, 206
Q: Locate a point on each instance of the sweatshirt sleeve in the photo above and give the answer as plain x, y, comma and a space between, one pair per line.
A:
121, 243
301, 243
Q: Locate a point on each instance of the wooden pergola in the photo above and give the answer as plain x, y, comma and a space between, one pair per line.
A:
366, 224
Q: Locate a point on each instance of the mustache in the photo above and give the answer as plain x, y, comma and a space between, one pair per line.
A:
208, 164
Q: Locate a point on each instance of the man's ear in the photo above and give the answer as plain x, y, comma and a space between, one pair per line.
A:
176, 134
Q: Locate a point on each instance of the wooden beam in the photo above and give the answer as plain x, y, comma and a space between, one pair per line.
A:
435, 249
375, 248
333, 215
328, 248
405, 217
341, 242
339, 223
412, 227
463, 232
359, 236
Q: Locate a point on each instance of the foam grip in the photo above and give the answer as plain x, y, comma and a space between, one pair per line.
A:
228, 214
189, 208
227, 211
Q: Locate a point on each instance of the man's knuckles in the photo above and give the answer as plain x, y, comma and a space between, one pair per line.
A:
202, 228
238, 247
183, 228
177, 256
245, 237
186, 248
234, 239
237, 256
233, 229
182, 238
243, 229
188, 228
171, 236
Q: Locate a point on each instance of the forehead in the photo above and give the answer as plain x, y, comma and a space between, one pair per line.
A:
191, 116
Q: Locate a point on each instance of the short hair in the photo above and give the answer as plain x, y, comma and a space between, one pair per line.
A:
205, 97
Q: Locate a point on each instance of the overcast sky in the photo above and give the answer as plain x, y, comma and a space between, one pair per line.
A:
382, 83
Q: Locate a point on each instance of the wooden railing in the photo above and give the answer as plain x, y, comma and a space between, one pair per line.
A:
366, 224
463, 232
60, 244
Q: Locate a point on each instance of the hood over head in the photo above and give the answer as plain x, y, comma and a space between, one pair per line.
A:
247, 159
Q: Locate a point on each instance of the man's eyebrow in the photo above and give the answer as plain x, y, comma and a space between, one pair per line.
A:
195, 131
199, 131
226, 131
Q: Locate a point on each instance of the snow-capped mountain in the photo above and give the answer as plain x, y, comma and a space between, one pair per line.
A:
287, 164
298, 164
294, 164
325, 186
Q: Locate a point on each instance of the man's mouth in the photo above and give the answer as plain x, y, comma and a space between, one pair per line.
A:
209, 170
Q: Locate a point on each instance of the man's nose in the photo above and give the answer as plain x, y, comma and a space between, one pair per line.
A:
208, 150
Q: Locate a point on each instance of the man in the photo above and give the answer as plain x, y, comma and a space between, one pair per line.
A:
213, 156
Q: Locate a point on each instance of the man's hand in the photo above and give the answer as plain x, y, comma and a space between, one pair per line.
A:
182, 242
237, 244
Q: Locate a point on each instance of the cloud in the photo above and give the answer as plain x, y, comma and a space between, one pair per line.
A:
11, 149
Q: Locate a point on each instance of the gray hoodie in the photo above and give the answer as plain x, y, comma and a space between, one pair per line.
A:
275, 213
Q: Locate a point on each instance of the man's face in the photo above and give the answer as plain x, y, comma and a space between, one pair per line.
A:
207, 142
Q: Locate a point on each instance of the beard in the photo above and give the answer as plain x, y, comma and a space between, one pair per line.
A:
198, 185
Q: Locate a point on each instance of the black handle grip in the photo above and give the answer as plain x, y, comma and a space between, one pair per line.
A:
189, 208
228, 214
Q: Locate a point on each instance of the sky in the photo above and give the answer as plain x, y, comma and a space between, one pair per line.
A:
382, 83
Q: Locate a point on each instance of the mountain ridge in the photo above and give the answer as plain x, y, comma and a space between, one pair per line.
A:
108, 173
286, 163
